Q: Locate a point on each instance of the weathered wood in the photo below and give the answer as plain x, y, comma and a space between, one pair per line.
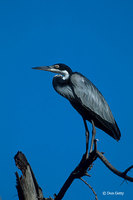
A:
27, 186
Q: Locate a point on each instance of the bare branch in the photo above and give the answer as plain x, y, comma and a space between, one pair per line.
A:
113, 169
90, 188
128, 169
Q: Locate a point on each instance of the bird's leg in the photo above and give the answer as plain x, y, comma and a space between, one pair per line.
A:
87, 137
93, 135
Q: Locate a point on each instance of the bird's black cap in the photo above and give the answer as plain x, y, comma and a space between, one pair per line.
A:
62, 67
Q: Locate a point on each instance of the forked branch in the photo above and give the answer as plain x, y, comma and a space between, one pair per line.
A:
28, 188
86, 163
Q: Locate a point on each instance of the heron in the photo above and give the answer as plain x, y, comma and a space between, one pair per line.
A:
85, 98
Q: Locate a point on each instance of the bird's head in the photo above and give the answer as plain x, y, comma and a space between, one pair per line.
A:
59, 68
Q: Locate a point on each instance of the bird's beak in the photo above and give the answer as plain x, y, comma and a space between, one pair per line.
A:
49, 68
45, 68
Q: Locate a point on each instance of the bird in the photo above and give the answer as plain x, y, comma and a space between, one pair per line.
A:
84, 96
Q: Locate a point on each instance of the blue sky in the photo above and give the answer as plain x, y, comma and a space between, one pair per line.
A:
92, 37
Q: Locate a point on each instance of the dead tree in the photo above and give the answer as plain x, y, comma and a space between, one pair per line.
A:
28, 188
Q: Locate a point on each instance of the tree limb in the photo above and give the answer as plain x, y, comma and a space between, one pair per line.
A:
113, 169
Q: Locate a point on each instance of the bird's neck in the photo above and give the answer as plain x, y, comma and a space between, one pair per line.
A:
63, 87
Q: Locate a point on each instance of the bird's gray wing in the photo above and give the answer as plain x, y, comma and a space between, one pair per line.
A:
90, 97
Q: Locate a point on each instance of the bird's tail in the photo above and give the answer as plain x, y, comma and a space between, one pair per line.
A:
112, 129
117, 133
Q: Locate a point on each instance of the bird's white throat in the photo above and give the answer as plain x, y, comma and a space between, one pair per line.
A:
64, 74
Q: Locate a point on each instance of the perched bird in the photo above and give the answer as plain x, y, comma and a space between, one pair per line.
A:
84, 97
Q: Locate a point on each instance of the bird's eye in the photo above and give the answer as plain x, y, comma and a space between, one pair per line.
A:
57, 66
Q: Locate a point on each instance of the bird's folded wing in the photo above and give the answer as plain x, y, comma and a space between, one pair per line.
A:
90, 97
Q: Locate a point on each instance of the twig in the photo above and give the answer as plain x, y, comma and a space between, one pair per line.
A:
127, 170
90, 188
